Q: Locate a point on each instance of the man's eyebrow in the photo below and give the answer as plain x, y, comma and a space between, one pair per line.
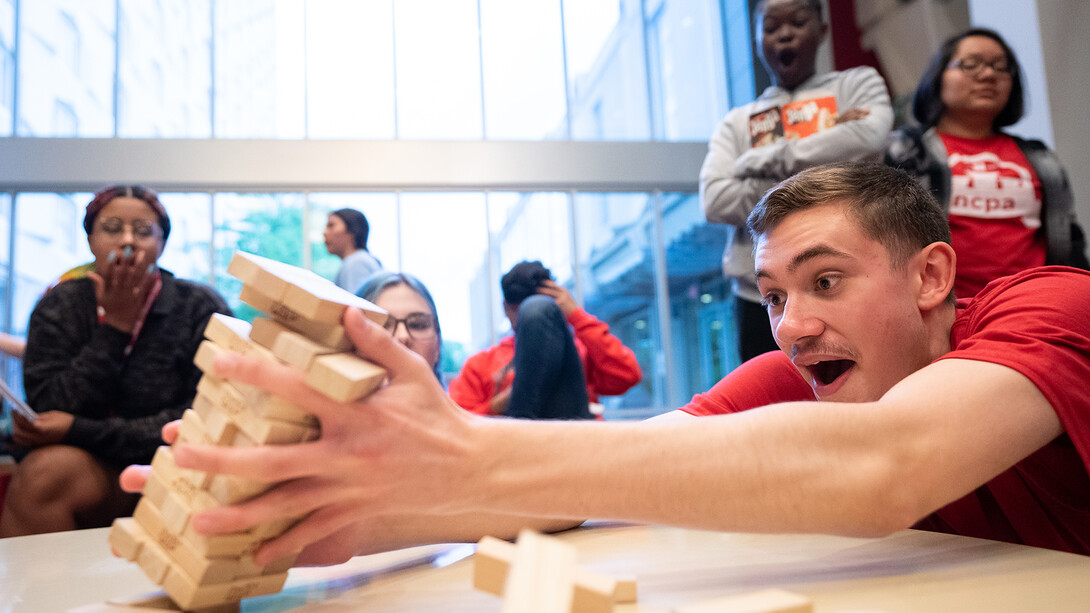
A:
814, 252
805, 256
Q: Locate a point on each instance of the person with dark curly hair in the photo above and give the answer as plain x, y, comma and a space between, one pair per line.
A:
542, 371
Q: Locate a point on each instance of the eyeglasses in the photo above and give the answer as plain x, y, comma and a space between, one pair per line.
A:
113, 226
974, 66
420, 326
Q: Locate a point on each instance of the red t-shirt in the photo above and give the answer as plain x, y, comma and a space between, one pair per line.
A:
995, 210
1036, 322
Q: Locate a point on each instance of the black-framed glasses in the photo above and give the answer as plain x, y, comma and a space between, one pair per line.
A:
974, 66
113, 226
419, 325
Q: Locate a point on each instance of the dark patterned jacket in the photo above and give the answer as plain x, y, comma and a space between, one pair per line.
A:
76, 365
922, 154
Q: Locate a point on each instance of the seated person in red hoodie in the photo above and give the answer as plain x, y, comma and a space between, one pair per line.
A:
542, 372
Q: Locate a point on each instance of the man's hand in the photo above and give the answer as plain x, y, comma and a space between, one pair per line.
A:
122, 286
48, 429
405, 449
135, 476
563, 298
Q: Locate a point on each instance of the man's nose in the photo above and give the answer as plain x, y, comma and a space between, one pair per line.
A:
797, 321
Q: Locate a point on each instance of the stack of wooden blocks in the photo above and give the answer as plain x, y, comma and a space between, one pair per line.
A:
302, 328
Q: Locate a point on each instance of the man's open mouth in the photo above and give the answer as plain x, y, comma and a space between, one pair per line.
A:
828, 371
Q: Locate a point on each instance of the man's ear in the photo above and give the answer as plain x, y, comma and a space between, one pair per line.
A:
935, 266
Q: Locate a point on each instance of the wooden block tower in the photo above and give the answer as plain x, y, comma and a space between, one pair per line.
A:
302, 328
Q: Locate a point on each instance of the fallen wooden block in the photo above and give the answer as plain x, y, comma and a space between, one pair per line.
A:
541, 578
592, 592
764, 601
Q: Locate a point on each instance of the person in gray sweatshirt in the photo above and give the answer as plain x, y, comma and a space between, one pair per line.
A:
803, 119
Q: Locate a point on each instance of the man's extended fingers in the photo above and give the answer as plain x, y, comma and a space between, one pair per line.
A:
134, 477
314, 532
170, 431
265, 463
279, 379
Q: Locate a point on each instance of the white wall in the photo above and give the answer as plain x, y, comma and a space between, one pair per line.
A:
1057, 81
1066, 48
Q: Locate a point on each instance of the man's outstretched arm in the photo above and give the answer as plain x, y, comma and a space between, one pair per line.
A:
407, 451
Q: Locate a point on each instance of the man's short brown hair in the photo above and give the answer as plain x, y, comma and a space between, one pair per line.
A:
889, 205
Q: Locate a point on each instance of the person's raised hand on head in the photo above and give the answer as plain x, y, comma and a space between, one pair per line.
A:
563, 298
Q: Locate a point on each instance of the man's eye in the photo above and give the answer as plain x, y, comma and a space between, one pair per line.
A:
826, 283
770, 300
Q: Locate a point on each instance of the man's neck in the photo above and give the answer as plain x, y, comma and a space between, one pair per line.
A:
349, 251
939, 324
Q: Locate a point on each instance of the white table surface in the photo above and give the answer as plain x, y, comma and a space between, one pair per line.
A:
907, 571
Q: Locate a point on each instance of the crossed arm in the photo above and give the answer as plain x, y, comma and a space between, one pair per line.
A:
407, 466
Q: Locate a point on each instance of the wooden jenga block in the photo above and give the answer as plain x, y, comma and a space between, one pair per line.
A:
193, 429
270, 406
298, 350
491, 564
266, 275
265, 330
598, 593
177, 507
228, 332
126, 538
229, 489
162, 464
222, 545
343, 376
302, 292
593, 592
324, 301
332, 335
200, 568
153, 560
218, 424
542, 576
764, 601
207, 352
273, 431
234, 397
190, 595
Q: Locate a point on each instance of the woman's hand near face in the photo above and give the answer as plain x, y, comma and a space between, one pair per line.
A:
122, 286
